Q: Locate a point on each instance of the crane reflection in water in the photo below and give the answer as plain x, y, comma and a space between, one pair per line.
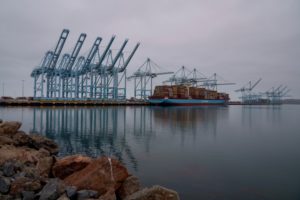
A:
122, 132
87, 130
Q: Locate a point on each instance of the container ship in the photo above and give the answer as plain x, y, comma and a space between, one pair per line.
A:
182, 95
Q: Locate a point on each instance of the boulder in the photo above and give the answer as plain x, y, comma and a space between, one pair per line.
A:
1, 121
9, 152
4, 185
86, 194
22, 154
63, 197
43, 142
20, 138
128, 187
70, 164
5, 140
109, 195
30, 172
28, 195
71, 192
6, 197
8, 169
9, 128
155, 192
44, 165
100, 175
52, 190
24, 184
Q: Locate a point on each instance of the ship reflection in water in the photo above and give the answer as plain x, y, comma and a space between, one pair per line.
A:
113, 131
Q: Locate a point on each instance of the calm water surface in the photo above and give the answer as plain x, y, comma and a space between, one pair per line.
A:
235, 152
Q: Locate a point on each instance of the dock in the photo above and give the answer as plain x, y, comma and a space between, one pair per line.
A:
72, 103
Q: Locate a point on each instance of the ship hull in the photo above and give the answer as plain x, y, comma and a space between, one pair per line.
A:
187, 102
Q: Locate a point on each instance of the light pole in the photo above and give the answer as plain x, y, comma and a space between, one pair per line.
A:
23, 88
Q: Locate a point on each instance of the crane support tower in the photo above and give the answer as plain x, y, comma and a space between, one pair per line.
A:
248, 96
143, 79
195, 78
99, 75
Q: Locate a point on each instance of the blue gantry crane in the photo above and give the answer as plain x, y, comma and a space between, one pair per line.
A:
97, 76
143, 78
275, 95
195, 78
248, 96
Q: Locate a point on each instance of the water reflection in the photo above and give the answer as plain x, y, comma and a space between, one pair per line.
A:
89, 131
204, 152
186, 121
114, 130
254, 115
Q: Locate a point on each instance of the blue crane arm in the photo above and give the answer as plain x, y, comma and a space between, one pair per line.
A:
105, 51
278, 89
78, 65
285, 93
64, 61
92, 53
46, 60
129, 58
117, 56
282, 90
76, 50
58, 48
255, 84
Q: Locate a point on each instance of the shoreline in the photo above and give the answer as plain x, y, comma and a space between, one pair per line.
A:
30, 169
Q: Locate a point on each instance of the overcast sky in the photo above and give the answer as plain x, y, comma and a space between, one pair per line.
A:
241, 40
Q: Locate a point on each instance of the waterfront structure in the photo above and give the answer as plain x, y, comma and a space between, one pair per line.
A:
100, 75
189, 88
248, 96
143, 78
271, 96
275, 95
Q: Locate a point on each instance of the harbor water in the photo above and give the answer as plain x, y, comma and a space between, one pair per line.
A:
234, 152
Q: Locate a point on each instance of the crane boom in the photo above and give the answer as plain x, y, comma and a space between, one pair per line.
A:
285, 93
117, 56
255, 84
278, 89
91, 54
64, 61
76, 50
129, 57
105, 52
58, 48
282, 90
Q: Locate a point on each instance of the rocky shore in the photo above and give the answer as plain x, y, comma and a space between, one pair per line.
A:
29, 169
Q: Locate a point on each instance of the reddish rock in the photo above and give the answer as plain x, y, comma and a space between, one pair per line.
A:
9, 128
70, 164
155, 192
128, 187
99, 175
24, 183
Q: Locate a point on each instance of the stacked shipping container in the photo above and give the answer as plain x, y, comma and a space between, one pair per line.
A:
186, 92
